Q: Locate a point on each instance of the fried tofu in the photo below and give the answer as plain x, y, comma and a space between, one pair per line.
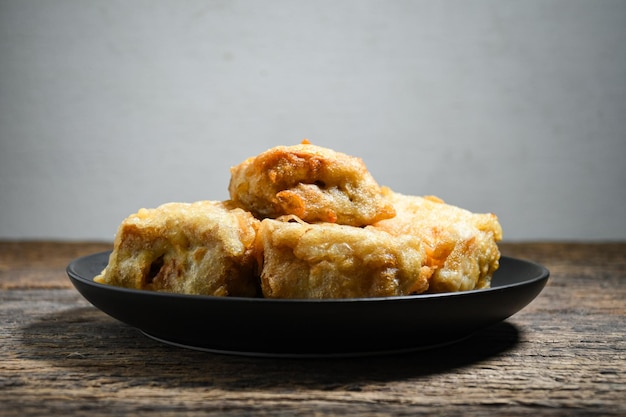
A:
306, 222
461, 246
325, 260
203, 248
314, 183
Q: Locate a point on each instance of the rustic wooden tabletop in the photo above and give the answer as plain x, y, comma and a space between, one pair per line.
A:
564, 354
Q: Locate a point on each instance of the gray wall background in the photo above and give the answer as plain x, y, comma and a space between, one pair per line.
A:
512, 107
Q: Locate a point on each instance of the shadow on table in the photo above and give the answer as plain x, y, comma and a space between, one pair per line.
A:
86, 341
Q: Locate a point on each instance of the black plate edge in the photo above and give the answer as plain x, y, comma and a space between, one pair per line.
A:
543, 274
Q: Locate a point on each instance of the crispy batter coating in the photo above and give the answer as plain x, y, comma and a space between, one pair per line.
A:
313, 223
314, 183
460, 245
199, 248
326, 260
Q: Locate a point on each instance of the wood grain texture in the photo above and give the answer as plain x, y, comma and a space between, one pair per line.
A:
35, 264
564, 354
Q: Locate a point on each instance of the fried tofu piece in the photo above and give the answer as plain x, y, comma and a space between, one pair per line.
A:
203, 248
461, 246
314, 183
325, 260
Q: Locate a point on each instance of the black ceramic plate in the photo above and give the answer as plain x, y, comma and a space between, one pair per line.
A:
312, 328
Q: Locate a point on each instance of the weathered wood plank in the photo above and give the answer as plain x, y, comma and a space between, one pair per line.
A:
565, 354
33, 264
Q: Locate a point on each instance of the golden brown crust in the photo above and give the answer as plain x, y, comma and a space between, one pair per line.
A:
328, 231
325, 260
199, 248
314, 183
461, 246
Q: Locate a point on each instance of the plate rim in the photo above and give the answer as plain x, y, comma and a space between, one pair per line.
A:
454, 328
544, 274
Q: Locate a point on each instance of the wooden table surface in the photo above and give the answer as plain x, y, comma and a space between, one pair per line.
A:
564, 354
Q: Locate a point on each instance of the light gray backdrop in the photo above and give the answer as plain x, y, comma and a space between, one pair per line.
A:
513, 107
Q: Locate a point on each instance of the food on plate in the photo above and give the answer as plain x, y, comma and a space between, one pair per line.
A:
314, 183
461, 246
305, 222
326, 260
202, 248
